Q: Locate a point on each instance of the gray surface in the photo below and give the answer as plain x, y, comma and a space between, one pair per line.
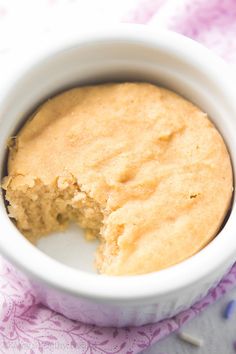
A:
218, 334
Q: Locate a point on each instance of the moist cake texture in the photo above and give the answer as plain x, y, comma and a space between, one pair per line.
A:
135, 165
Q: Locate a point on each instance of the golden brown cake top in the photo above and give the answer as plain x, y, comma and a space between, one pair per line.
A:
153, 161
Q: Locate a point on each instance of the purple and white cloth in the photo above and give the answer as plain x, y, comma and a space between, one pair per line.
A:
25, 325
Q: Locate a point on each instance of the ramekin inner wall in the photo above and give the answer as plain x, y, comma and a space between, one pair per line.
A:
104, 61
109, 61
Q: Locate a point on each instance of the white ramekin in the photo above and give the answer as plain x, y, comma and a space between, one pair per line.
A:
124, 53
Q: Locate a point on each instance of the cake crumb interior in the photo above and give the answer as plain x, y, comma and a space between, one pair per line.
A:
43, 209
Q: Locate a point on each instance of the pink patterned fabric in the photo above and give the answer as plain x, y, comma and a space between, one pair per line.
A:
27, 326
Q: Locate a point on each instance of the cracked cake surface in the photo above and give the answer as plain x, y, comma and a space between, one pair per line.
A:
135, 165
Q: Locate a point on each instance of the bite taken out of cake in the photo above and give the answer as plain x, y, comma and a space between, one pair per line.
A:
135, 165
